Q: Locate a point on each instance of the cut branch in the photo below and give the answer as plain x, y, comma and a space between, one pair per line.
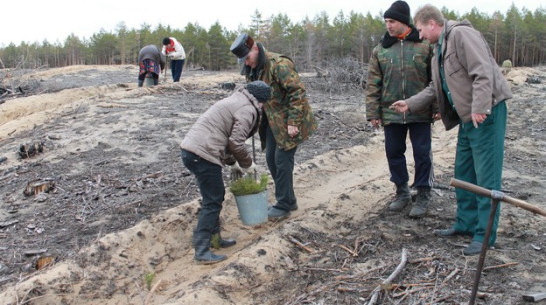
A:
387, 282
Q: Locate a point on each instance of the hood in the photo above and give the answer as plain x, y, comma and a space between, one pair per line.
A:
451, 24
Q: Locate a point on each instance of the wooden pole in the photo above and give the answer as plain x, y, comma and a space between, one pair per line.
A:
496, 197
487, 193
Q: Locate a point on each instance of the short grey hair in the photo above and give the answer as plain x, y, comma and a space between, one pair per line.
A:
428, 12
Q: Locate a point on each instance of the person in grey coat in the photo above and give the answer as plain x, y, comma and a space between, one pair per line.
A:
151, 62
471, 93
217, 139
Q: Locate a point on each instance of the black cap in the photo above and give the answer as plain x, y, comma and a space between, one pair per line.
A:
400, 11
260, 90
241, 47
166, 41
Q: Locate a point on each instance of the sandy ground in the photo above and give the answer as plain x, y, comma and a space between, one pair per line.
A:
350, 241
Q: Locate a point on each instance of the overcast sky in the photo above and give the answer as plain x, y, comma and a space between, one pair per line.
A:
54, 20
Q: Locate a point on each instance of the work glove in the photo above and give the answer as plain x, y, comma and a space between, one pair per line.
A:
236, 171
250, 169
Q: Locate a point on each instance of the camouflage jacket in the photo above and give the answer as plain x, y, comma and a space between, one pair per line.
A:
398, 69
288, 104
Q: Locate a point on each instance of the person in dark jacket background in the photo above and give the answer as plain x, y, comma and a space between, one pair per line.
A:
151, 63
399, 68
217, 139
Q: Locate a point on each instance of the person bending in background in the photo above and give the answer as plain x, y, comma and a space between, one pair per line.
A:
151, 62
174, 50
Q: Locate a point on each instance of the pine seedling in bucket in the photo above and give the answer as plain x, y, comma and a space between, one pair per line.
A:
246, 185
251, 198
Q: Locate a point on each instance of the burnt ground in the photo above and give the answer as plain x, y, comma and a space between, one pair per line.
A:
94, 193
101, 187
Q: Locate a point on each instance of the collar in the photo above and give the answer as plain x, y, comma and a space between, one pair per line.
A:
412, 35
403, 35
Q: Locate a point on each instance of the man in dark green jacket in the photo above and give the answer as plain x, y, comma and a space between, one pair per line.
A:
399, 68
287, 117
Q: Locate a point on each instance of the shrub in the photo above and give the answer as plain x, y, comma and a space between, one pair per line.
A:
247, 185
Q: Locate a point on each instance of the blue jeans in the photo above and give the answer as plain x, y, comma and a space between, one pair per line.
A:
395, 147
281, 166
176, 69
211, 187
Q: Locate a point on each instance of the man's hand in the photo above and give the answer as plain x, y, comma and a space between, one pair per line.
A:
478, 118
436, 116
250, 169
235, 168
375, 123
293, 131
400, 106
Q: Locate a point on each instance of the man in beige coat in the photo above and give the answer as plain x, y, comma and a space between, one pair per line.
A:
217, 139
471, 92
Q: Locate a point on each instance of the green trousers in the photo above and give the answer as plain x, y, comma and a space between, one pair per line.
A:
478, 160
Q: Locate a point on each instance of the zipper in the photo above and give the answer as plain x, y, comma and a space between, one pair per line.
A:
403, 71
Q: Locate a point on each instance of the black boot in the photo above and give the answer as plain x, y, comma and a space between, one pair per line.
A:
420, 207
203, 255
403, 197
140, 83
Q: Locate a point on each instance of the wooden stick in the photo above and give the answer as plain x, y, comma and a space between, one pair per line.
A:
500, 266
420, 260
395, 286
149, 297
353, 253
299, 244
375, 294
452, 274
487, 193
404, 293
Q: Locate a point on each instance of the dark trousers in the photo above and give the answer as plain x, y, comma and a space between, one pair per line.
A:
281, 166
142, 77
479, 160
211, 187
395, 147
176, 69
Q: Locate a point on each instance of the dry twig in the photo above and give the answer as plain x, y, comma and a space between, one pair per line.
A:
500, 266
150, 294
301, 245
375, 294
353, 253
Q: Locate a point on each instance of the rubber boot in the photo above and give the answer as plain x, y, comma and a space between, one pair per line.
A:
203, 255
420, 207
140, 83
403, 197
